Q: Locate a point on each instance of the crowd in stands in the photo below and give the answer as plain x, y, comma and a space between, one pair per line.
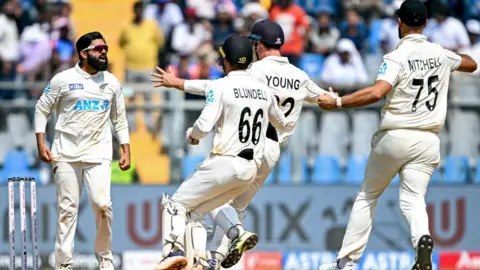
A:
337, 42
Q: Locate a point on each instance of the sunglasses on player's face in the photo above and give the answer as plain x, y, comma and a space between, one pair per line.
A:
97, 48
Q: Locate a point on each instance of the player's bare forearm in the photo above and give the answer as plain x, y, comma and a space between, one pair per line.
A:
40, 138
360, 98
468, 64
126, 149
366, 96
179, 84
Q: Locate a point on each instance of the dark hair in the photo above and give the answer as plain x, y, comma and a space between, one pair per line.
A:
138, 4
84, 41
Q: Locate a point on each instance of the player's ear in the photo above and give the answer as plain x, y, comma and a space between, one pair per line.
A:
83, 55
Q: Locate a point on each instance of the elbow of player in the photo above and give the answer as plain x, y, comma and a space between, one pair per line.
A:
474, 67
376, 96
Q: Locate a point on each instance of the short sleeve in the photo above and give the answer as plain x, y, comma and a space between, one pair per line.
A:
389, 71
453, 60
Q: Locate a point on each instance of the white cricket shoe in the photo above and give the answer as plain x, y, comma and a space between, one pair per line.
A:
106, 265
334, 266
66, 267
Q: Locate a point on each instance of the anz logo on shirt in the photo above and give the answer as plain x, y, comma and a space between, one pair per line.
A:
210, 96
91, 105
383, 69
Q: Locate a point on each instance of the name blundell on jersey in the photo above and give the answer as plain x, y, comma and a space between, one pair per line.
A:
424, 64
285, 83
250, 93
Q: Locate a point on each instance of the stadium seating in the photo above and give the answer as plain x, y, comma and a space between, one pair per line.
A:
462, 124
334, 135
356, 169
327, 170
364, 125
436, 176
312, 64
477, 172
189, 165
396, 179
457, 170
285, 169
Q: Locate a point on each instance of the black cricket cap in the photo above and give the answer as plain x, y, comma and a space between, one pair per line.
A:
412, 13
237, 50
268, 32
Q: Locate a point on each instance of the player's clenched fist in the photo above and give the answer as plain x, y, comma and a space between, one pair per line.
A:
44, 153
189, 139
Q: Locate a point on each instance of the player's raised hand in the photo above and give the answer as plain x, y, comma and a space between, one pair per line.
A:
328, 101
166, 78
44, 153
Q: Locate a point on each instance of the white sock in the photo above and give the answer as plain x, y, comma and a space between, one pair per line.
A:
342, 262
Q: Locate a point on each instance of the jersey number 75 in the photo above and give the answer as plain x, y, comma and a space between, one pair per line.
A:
431, 90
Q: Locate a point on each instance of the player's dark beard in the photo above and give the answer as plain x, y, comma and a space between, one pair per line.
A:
399, 33
96, 64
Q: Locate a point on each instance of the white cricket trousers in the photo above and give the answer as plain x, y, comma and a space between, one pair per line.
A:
414, 154
69, 177
220, 242
217, 180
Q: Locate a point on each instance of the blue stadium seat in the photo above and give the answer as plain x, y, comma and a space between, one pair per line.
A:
327, 170
457, 170
312, 64
436, 176
477, 174
356, 166
189, 164
396, 179
285, 169
271, 177
16, 161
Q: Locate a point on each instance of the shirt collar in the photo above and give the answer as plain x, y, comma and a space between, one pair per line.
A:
412, 38
237, 73
277, 58
86, 74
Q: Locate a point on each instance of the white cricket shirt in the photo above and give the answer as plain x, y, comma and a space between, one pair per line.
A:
84, 105
419, 72
290, 85
241, 108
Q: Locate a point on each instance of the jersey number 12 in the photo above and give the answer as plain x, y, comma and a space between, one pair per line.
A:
244, 128
431, 90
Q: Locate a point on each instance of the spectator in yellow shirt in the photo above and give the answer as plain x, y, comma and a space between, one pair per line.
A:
141, 40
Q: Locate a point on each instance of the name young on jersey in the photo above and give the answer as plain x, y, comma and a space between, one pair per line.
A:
250, 93
286, 83
424, 64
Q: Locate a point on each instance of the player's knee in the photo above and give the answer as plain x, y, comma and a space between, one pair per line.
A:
173, 207
100, 204
369, 195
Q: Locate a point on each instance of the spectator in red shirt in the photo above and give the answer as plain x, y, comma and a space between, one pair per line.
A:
294, 22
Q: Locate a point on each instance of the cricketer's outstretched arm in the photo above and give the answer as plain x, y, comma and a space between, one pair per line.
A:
313, 92
196, 87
